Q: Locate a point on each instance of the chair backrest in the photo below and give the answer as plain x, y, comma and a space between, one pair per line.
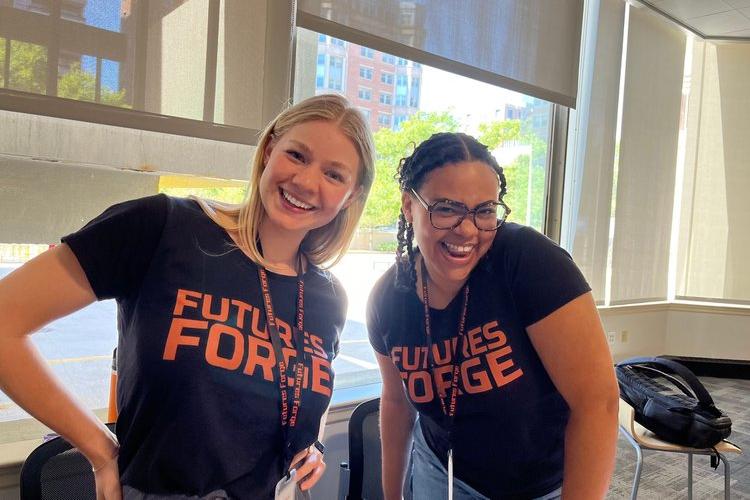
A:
363, 472
55, 470
364, 452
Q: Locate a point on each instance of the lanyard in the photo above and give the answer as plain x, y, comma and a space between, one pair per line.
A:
288, 419
449, 409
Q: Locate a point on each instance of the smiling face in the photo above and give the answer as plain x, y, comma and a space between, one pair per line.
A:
451, 254
310, 174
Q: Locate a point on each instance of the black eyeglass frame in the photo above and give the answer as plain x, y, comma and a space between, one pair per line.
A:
430, 206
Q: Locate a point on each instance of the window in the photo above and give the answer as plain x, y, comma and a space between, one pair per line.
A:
337, 42
322, 38
364, 94
366, 52
366, 113
386, 78
518, 146
402, 62
79, 347
335, 72
90, 56
389, 59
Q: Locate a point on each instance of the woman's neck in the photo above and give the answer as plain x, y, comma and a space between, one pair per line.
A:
280, 249
440, 294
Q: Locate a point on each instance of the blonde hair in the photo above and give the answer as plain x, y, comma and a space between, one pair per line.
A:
325, 245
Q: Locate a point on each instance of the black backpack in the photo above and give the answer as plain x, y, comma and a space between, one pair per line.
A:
676, 411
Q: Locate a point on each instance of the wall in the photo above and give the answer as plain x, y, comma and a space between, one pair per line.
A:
642, 329
716, 332
680, 329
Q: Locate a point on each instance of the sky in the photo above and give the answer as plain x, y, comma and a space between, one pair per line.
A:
103, 14
471, 101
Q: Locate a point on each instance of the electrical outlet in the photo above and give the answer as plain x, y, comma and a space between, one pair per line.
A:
611, 337
624, 336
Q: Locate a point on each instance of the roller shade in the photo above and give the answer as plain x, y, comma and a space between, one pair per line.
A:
648, 158
591, 158
530, 46
715, 233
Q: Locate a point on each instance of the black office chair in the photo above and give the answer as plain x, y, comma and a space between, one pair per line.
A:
57, 471
360, 478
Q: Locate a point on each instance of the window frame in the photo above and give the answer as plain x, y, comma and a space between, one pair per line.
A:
368, 70
275, 85
362, 90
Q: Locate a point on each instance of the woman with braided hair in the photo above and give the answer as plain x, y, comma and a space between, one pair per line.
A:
487, 331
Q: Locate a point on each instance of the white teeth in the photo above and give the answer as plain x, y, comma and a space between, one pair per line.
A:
458, 249
294, 201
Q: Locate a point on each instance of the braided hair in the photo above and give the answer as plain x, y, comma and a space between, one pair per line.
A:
444, 148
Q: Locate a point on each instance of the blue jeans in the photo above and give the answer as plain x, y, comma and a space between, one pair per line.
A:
429, 479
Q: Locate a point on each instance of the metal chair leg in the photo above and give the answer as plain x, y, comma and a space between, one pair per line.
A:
638, 462
690, 476
727, 475
638, 470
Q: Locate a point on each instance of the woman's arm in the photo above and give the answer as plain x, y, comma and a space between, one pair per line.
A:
396, 422
571, 344
44, 289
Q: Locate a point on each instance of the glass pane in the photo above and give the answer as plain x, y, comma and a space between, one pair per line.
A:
203, 187
77, 79
78, 349
112, 52
35, 6
103, 14
2, 61
405, 103
28, 67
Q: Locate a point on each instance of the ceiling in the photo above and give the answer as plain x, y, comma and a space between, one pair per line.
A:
709, 18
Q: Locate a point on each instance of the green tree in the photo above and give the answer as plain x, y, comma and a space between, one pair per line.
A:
384, 202
28, 72
495, 134
81, 86
28, 67
2, 62
517, 178
225, 194
498, 133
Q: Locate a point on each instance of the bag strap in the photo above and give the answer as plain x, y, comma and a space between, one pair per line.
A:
704, 398
675, 380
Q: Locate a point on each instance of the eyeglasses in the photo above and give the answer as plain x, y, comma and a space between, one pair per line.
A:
448, 214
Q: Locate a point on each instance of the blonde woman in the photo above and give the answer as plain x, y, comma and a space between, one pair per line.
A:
222, 312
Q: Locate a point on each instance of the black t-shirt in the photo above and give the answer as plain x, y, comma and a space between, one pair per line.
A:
508, 432
198, 390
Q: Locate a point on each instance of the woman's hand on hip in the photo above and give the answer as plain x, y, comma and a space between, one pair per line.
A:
107, 478
309, 466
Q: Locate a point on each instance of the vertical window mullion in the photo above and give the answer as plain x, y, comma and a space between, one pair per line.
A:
98, 85
212, 49
53, 50
6, 64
